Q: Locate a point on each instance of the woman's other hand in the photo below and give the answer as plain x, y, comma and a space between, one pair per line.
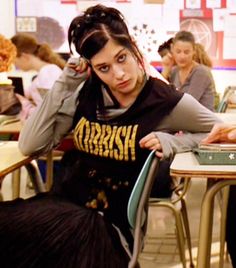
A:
79, 65
152, 142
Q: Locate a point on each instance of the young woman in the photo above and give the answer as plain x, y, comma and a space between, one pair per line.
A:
117, 116
40, 58
190, 74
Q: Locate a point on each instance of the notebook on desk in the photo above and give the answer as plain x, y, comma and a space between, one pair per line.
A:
216, 154
17, 82
220, 147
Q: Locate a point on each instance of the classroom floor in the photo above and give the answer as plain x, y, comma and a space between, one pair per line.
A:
160, 244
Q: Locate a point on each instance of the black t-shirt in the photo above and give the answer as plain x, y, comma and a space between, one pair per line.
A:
109, 154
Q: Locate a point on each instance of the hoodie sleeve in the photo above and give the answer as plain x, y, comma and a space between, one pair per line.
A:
189, 117
51, 121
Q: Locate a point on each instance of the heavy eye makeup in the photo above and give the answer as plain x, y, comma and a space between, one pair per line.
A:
120, 59
104, 69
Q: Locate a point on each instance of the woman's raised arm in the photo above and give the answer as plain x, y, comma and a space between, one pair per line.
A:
50, 122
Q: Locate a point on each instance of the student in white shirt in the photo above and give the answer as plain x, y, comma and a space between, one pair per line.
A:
32, 55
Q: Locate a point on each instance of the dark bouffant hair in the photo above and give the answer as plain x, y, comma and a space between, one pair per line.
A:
90, 31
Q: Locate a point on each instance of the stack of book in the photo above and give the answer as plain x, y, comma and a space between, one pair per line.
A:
216, 154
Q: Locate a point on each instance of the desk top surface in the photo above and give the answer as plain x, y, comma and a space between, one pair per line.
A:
186, 165
11, 158
232, 105
11, 128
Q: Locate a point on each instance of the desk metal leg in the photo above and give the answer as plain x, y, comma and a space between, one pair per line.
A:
205, 231
224, 204
16, 183
49, 173
35, 176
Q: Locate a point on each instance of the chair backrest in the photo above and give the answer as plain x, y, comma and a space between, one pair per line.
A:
222, 106
138, 203
228, 90
138, 190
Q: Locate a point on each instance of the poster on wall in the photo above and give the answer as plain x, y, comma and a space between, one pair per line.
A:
211, 29
213, 3
193, 4
202, 30
50, 27
147, 30
26, 24
229, 51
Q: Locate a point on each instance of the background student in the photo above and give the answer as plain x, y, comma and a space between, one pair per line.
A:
168, 62
32, 55
189, 76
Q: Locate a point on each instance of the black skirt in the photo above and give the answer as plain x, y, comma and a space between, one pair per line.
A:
46, 231
56, 230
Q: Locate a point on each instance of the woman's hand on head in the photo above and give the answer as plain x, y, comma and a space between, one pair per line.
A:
79, 65
152, 142
221, 133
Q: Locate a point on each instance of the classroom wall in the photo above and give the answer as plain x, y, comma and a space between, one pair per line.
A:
7, 17
223, 78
